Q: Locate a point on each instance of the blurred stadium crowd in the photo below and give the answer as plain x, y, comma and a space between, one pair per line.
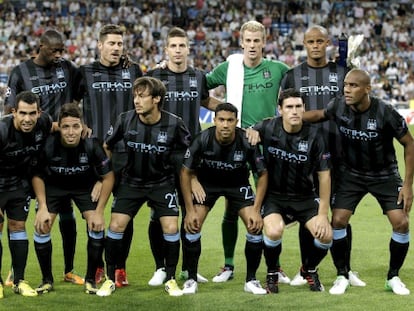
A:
387, 51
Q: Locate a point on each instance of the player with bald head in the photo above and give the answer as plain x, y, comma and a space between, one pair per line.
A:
368, 126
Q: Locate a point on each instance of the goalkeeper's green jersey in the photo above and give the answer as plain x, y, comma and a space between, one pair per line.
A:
260, 89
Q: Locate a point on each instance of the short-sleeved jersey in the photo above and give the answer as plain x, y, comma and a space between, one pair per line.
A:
154, 151
260, 90
55, 84
185, 91
292, 158
17, 149
223, 165
72, 168
318, 85
106, 92
368, 137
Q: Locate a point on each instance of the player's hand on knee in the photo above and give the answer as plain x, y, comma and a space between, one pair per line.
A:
43, 221
191, 223
96, 222
322, 227
255, 223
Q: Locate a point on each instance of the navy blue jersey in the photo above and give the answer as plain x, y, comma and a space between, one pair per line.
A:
106, 93
292, 158
368, 137
72, 168
185, 91
55, 84
154, 151
318, 85
17, 149
223, 165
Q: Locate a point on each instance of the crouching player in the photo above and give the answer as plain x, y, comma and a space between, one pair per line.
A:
293, 152
71, 168
220, 158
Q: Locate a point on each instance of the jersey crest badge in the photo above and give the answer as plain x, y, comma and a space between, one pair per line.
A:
59, 73
333, 77
238, 156
372, 124
125, 74
303, 146
83, 158
193, 82
162, 137
38, 136
267, 74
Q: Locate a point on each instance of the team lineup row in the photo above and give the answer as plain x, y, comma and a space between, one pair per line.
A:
151, 136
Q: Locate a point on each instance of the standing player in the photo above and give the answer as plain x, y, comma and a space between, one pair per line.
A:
319, 80
51, 77
259, 79
55, 80
22, 136
156, 141
368, 127
106, 90
294, 152
67, 170
186, 92
220, 157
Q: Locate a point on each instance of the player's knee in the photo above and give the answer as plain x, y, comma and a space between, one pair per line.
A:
16, 225
401, 225
170, 227
119, 222
115, 226
274, 232
339, 220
